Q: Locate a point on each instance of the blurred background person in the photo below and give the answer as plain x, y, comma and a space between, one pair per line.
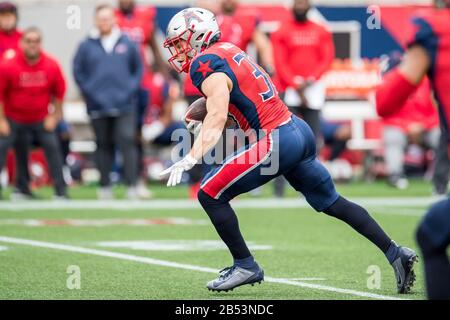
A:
335, 135
9, 33
416, 122
239, 27
441, 173
304, 51
159, 123
108, 70
428, 53
29, 83
9, 46
139, 23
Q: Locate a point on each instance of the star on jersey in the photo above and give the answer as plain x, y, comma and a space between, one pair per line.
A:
204, 68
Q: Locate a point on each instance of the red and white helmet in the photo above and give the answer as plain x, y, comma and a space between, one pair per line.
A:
198, 28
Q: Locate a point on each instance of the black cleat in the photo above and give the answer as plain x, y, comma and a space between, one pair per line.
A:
403, 267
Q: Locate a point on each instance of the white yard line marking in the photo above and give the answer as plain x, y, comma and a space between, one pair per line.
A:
180, 204
176, 245
303, 279
157, 262
3, 248
103, 222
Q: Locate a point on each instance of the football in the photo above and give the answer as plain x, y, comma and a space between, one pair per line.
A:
197, 112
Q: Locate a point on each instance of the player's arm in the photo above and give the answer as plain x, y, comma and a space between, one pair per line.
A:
217, 89
265, 50
401, 82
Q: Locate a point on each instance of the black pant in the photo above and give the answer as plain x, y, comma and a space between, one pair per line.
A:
21, 149
112, 132
442, 168
49, 143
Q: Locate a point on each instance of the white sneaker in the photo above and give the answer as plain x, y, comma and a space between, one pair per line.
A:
132, 193
105, 193
143, 192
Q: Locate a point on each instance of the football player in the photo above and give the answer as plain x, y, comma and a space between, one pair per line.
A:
235, 85
428, 54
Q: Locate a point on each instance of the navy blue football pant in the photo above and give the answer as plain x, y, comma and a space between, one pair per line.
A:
290, 151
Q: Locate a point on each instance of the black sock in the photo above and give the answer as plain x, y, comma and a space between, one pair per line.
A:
360, 220
437, 267
226, 223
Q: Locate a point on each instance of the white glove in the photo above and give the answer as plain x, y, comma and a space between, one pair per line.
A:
151, 131
194, 127
176, 171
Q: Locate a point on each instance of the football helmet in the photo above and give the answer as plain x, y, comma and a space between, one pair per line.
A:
190, 32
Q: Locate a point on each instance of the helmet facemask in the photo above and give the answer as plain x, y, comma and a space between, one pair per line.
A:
181, 46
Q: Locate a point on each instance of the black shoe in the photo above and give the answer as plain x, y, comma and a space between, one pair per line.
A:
403, 268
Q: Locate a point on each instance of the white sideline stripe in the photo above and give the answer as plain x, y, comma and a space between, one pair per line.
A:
303, 279
171, 204
164, 263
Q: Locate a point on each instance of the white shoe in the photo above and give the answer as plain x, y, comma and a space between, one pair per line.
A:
105, 193
132, 193
143, 192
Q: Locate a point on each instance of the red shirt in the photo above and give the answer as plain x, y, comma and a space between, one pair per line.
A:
26, 90
418, 108
237, 29
254, 101
139, 27
158, 88
301, 49
9, 43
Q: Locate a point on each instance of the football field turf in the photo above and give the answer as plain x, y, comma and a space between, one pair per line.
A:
167, 249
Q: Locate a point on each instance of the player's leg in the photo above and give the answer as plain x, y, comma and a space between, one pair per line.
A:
49, 142
125, 135
395, 143
442, 167
21, 148
5, 143
245, 170
104, 154
312, 179
433, 237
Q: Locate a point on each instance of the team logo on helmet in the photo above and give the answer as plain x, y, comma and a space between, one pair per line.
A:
189, 16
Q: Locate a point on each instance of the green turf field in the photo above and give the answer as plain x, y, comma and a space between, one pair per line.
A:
166, 253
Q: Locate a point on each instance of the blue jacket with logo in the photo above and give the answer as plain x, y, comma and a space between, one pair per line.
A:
109, 82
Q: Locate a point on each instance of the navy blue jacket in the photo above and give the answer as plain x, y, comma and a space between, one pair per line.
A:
109, 82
